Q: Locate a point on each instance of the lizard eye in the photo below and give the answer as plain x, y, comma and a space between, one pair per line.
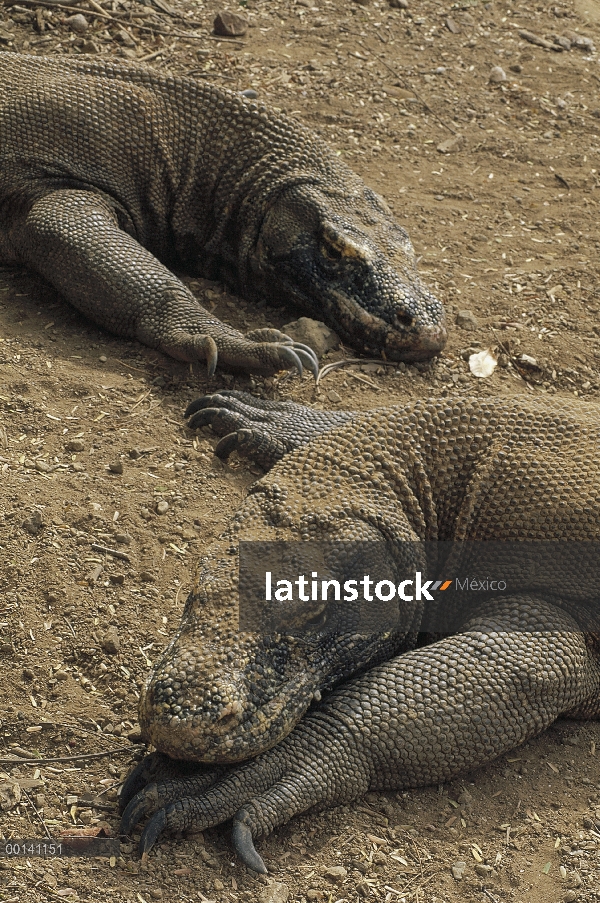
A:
329, 251
337, 245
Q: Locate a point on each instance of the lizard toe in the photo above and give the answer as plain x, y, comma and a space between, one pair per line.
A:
152, 831
288, 359
187, 346
229, 443
243, 843
143, 803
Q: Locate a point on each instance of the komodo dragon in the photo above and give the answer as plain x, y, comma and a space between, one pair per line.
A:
493, 469
111, 173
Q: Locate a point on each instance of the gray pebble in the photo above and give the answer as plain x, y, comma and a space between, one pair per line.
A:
33, 524
458, 870
75, 445
497, 75
466, 319
313, 333
162, 507
336, 872
274, 893
116, 467
79, 24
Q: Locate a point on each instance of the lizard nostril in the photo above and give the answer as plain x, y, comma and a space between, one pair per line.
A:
403, 319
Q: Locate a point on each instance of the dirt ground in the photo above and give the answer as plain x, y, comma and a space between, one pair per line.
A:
506, 228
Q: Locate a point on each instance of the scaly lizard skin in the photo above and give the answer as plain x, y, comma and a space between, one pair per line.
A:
110, 174
457, 470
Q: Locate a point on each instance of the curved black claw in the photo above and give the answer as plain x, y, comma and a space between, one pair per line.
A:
203, 417
152, 831
243, 844
310, 353
143, 803
153, 768
290, 357
229, 443
307, 356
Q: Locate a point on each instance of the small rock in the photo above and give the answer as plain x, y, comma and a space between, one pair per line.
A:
363, 888
482, 869
79, 24
314, 894
147, 577
562, 42
42, 466
230, 24
116, 467
124, 539
117, 579
313, 333
126, 39
466, 799
580, 42
571, 896
333, 396
159, 381
61, 675
135, 453
458, 870
10, 795
103, 358
33, 524
162, 507
94, 574
399, 4
218, 884
110, 642
156, 893
451, 145
250, 93
89, 47
336, 873
274, 893
135, 734
466, 319
78, 467
516, 67
75, 445
497, 75
452, 26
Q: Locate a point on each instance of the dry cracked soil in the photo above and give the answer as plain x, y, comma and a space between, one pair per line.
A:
487, 147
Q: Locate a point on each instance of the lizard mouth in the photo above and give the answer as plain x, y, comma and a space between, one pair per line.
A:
237, 731
406, 339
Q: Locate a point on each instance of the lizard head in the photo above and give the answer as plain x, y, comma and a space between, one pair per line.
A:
342, 256
239, 675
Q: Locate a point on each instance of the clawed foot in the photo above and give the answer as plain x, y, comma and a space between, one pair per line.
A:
317, 764
261, 430
263, 350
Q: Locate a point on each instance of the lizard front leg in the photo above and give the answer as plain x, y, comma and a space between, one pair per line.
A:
421, 718
72, 238
263, 431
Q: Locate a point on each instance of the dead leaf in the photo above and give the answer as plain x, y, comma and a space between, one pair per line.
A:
483, 363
